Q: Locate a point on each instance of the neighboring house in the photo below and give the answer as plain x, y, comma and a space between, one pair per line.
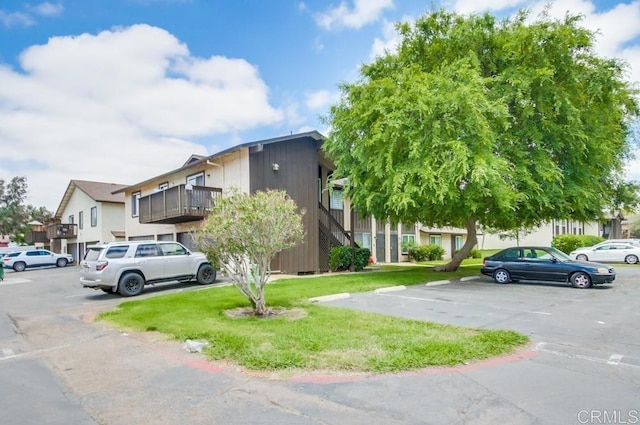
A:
37, 235
89, 213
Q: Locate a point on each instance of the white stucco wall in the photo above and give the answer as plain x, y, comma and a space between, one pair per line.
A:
110, 217
540, 237
231, 170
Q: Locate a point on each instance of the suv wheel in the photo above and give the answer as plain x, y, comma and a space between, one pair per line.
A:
19, 266
206, 274
62, 262
131, 284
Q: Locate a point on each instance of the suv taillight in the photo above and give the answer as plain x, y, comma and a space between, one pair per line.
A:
101, 265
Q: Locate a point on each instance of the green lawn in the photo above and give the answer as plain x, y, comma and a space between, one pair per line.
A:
316, 337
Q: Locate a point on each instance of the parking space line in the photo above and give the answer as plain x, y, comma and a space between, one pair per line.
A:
613, 360
421, 299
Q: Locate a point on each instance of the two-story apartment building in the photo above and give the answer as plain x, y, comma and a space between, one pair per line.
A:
89, 212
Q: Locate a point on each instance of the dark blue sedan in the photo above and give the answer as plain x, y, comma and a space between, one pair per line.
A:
544, 264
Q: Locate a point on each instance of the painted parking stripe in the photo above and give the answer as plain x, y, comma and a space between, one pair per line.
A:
613, 360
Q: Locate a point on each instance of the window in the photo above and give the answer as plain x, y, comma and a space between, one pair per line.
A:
458, 242
335, 200
511, 254
81, 220
135, 204
172, 249
364, 240
163, 186
196, 179
435, 240
147, 250
407, 242
71, 219
94, 216
117, 251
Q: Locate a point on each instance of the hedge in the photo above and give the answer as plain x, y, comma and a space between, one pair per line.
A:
340, 258
567, 243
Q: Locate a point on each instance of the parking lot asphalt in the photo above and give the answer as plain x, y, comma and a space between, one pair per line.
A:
582, 366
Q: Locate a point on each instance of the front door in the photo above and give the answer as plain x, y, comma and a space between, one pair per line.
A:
380, 242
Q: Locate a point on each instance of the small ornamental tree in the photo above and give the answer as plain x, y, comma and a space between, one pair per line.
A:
244, 232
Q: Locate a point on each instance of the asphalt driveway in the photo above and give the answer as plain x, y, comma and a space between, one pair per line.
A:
57, 366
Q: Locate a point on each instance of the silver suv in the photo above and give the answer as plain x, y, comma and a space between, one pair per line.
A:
125, 267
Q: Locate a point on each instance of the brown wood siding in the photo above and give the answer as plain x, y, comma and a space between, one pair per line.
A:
298, 175
362, 224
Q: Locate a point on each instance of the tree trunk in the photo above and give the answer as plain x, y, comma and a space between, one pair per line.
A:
472, 240
260, 306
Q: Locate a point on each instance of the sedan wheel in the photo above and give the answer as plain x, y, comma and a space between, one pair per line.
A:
631, 259
580, 280
501, 276
131, 284
582, 257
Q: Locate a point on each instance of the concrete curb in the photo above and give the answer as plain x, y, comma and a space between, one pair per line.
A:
326, 298
438, 282
390, 289
466, 278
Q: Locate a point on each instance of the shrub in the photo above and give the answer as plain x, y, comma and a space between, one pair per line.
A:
567, 243
475, 253
426, 252
340, 258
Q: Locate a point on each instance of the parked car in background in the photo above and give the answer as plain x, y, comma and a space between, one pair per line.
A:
126, 267
635, 242
19, 261
544, 264
609, 253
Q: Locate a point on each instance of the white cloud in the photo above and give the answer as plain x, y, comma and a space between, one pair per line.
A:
389, 41
47, 9
120, 107
470, 6
362, 13
320, 99
12, 19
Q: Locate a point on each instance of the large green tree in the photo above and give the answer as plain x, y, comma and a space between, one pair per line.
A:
479, 121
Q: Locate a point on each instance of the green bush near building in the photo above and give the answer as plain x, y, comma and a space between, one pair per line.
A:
340, 258
568, 243
426, 252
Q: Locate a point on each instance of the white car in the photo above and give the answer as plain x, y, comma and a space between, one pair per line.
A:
635, 242
126, 267
21, 260
608, 253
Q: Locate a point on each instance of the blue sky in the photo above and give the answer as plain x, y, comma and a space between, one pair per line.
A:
122, 90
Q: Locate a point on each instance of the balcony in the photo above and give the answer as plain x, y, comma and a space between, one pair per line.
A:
36, 237
178, 204
62, 231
